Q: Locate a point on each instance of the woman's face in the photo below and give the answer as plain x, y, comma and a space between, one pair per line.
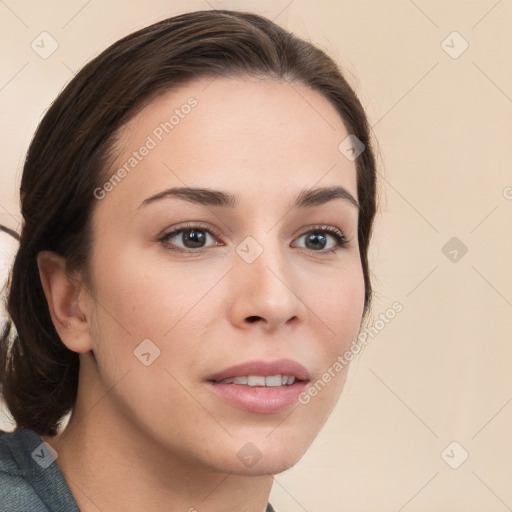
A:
257, 280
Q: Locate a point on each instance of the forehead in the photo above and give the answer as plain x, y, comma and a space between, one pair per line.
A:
263, 136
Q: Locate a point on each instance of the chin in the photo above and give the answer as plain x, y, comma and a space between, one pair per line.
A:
271, 464
276, 466
265, 456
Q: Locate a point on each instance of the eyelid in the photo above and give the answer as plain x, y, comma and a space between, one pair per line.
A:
322, 227
192, 225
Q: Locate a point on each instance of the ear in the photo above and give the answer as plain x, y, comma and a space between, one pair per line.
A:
66, 303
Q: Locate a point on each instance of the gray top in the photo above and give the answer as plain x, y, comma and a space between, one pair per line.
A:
29, 477
30, 480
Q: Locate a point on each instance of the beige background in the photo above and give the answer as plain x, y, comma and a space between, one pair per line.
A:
440, 371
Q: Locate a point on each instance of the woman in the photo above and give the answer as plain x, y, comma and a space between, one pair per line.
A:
197, 204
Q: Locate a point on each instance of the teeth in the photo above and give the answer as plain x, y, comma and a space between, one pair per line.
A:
271, 381
253, 380
274, 380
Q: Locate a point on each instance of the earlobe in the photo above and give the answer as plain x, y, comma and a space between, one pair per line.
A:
63, 298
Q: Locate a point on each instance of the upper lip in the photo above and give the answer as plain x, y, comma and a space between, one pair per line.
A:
263, 368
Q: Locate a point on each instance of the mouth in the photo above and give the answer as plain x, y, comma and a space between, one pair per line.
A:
259, 386
270, 381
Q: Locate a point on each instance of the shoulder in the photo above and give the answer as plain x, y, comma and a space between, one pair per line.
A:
29, 477
16, 493
13, 445
16, 449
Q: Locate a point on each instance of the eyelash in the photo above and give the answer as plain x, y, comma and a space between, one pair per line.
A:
339, 237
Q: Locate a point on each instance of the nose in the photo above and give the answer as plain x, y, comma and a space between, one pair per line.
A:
266, 292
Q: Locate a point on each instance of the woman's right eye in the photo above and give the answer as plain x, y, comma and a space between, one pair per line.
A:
193, 238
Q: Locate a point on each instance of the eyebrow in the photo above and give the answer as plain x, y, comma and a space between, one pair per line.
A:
307, 198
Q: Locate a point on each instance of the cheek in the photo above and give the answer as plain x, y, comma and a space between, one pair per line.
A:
340, 303
145, 298
141, 298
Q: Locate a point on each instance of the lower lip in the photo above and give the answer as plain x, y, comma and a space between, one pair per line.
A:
259, 399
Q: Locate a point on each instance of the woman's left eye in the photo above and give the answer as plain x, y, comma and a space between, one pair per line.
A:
318, 238
194, 239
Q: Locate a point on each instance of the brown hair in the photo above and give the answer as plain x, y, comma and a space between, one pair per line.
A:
70, 154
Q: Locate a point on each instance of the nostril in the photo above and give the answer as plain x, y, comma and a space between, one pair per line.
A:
253, 319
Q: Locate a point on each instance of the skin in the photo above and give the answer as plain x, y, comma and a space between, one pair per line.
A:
154, 437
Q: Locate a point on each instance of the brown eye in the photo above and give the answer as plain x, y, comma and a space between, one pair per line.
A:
188, 239
317, 239
192, 238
